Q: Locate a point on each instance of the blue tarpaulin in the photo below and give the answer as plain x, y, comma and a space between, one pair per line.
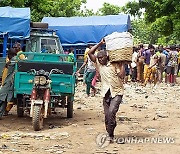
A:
83, 30
15, 22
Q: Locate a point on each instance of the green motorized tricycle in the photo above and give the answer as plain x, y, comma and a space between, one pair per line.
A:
43, 82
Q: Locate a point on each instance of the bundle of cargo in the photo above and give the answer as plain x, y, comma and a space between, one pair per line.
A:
119, 46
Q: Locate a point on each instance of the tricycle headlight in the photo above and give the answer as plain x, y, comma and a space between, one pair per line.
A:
36, 80
40, 80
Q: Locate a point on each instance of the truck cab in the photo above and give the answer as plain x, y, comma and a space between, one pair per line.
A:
43, 40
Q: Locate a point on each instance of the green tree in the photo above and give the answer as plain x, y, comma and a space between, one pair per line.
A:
164, 15
109, 9
132, 8
14, 3
87, 12
143, 33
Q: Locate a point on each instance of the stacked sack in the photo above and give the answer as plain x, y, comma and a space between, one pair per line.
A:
119, 46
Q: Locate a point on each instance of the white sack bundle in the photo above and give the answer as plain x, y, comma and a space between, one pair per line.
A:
119, 46
118, 40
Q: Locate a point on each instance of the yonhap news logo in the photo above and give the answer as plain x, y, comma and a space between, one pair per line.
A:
103, 140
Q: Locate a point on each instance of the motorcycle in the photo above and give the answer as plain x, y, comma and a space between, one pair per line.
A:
39, 92
40, 96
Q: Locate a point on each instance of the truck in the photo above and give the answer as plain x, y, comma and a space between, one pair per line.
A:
79, 32
33, 36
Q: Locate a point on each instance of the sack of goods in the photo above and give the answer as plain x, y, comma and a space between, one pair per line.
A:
119, 46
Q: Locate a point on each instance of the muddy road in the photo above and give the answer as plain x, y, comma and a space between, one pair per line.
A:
148, 123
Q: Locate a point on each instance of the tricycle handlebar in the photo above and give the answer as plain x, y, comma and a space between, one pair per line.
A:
54, 70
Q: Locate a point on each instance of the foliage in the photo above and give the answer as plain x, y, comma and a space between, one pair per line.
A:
143, 33
146, 33
87, 12
109, 9
164, 16
132, 8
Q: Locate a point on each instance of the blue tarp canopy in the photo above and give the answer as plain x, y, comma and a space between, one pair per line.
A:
15, 22
83, 30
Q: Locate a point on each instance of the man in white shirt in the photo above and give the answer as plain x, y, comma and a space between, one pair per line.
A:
134, 63
112, 87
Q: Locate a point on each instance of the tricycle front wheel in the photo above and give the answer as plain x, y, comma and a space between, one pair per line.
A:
37, 118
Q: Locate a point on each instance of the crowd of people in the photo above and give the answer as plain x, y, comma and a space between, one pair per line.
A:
155, 64
148, 65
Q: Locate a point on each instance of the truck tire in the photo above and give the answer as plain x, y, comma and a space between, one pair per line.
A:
70, 109
39, 25
20, 110
37, 118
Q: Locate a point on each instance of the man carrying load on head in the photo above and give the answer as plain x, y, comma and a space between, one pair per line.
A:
112, 87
